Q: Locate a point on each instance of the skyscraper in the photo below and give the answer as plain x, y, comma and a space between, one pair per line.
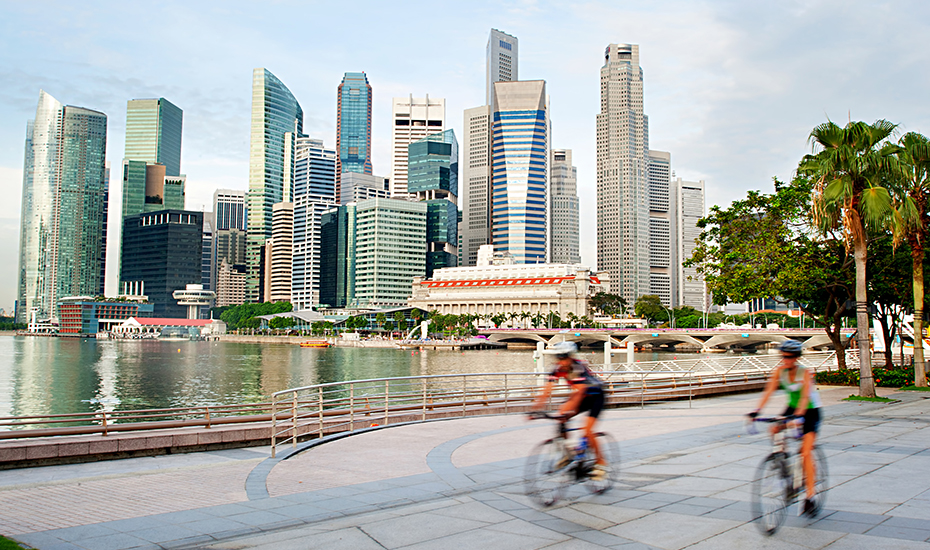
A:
61, 232
337, 256
353, 126
563, 209
314, 193
476, 183
689, 209
153, 133
663, 277
390, 250
282, 241
519, 175
433, 177
228, 209
277, 121
502, 58
148, 188
414, 119
622, 157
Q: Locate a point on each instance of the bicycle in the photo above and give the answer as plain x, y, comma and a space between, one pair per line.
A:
780, 479
558, 463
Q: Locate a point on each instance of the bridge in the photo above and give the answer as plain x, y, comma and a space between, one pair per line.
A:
693, 338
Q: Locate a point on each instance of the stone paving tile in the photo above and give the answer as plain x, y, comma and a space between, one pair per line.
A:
483, 539
671, 531
866, 542
214, 525
748, 536
612, 514
842, 526
118, 541
530, 529
417, 528
350, 538
476, 511
560, 525
165, 533
575, 515
896, 532
686, 509
258, 518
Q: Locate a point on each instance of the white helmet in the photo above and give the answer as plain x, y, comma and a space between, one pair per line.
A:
563, 349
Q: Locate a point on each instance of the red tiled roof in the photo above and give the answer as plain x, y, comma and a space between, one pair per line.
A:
498, 282
162, 321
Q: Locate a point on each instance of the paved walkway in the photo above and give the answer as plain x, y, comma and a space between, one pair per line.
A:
458, 484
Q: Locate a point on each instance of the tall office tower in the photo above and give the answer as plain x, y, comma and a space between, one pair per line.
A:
282, 241
689, 209
148, 188
390, 250
103, 242
476, 184
353, 126
61, 231
414, 119
563, 209
153, 133
162, 250
663, 277
230, 285
229, 266
228, 209
206, 262
314, 193
434, 174
337, 256
501, 63
359, 187
277, 121
519, 176
622, 153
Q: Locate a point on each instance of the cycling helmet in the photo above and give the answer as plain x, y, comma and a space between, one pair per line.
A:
792, 347
563, 349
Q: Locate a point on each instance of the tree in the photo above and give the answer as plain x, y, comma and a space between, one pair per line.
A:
389, 326
400, 320
498, 319
850, 172
649, 307
913, 192
380, 318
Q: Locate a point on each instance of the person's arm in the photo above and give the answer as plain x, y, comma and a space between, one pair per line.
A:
571, 404
805, 394
770, 388
543, 396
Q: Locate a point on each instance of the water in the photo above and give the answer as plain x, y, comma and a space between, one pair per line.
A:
40, 376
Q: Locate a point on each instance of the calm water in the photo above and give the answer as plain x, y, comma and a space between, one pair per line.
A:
57, 375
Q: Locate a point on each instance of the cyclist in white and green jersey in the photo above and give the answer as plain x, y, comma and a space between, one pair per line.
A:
803, 403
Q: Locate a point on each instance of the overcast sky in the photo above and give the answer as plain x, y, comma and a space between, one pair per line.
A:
732, 88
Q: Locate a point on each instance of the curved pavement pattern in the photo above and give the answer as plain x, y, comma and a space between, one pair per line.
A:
458, 484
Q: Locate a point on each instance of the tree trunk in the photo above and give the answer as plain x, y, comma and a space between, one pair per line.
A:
917, 256
866, 384
888, 338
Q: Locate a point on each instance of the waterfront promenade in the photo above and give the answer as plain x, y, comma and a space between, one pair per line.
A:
457, 484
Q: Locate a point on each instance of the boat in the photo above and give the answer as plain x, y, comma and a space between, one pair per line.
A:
316, 344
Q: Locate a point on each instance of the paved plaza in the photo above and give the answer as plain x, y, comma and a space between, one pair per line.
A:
684, 483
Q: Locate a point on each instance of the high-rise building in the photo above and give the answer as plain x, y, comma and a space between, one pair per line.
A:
501, 65
622, 163
390, 250
230, 284
563, 209
414, 119
229, 209
433, 178
153, 133
277, 121
206, 262
148, 188
337, 256
103, 243
519, 175
314, 193
476, 184
689, 209
358, 187
663, 279
229, 251
353, 126
282, 241
61, 231
162, 253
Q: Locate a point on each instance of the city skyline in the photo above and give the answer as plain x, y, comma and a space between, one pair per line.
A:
734, 112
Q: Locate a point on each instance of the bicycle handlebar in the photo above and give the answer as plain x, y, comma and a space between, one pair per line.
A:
751, 426
535, 415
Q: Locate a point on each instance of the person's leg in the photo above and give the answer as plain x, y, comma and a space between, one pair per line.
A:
589, 432
810, 469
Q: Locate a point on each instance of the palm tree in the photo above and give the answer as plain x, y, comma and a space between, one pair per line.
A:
850, 172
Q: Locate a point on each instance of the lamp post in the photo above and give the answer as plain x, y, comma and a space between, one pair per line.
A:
671, 316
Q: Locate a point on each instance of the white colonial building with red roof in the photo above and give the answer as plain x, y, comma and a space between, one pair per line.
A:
490, 289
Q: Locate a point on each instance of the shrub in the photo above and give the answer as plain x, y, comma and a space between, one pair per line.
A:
884, 377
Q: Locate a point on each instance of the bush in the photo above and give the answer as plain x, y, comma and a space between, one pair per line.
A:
884, 377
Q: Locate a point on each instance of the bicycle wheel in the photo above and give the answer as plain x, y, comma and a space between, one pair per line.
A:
547, 474
611, 452
770, 493
822, 483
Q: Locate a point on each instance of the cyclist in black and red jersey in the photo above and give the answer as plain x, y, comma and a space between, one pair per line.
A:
587, 396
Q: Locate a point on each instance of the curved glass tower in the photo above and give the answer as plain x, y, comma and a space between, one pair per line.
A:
63, 205
353, 127
277, 121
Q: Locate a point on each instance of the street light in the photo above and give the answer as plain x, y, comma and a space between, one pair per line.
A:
671, 315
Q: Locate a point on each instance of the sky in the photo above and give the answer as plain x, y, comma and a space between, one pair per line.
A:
732, 88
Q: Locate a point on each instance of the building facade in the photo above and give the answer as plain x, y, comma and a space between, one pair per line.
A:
663, 275
476, 184
413, 118
162, 253
353, 126
622, 158
277, 121
559, 289
358, 187
390, 250
519, 170
337, 256
501, 62
230, 284
153, 133
61, 231
314, 193
563, 209
690, 207
148, 188
433, 179
229, 209
282, 242
84, 315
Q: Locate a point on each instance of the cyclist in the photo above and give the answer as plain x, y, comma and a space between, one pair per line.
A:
803, 403
587, 396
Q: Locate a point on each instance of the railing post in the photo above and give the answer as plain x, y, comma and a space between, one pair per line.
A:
294, 423
505, 393
351, 407
103, 414
319, 400
387, 400
690, 378
208, 416
423, 417
274, 422
642, 391
464, 379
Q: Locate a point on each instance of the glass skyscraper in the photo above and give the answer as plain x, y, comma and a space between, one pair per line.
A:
433, 168
63, 205
353, 126
277, 121
314, 193
153, 133
519, 158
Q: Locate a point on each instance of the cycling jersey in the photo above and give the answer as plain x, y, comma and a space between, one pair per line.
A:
793, 389
578, 373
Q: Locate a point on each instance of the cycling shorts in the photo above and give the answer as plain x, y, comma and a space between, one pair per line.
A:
592, 402
811, 419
